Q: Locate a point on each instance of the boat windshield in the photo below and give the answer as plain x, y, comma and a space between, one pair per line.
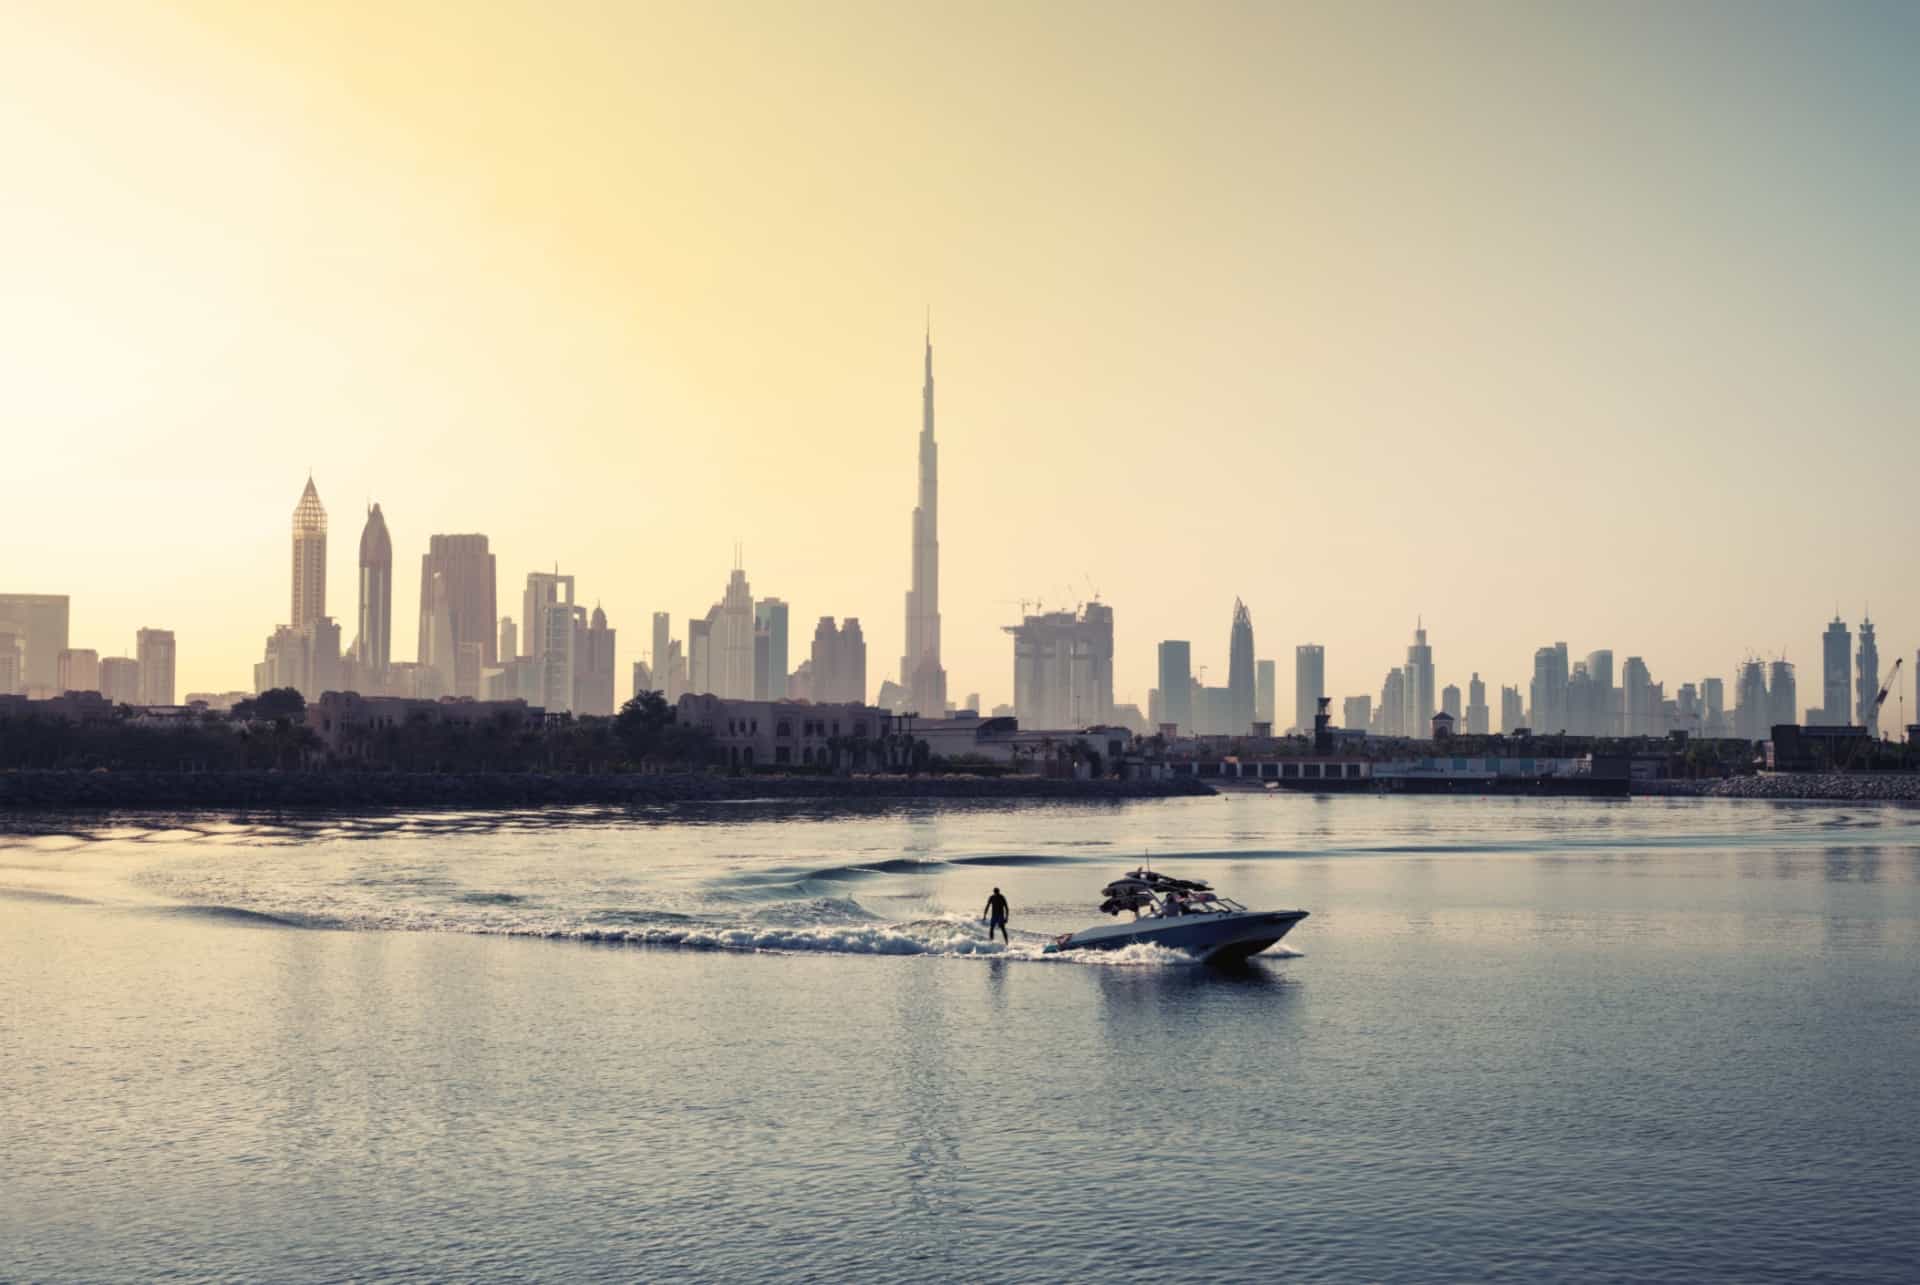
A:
1197, 903
1147, 892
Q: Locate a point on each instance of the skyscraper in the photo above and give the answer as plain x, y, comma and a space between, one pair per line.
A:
38, 623
1357, 713
673, 683
1600, 720
1750, 711
770, 671
457, 579
509, 641
839, 663
555, 628
120, 680
700, 654
1265, 695
373, 648
154, 650
309, 558
1581, 699
1868, 680
79, 670
1450, 703
321, 657
1713, 706
1547, 696
1477, 713
1176, 684
1512, 712
1240, 693
1393, 704
1783, 701
1417, 689
662, 639
730, 644
1836, 676
594, 665
1309, 684
548, 617
920, 670
1636, 686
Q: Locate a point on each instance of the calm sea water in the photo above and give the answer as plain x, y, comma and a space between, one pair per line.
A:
1516, 1040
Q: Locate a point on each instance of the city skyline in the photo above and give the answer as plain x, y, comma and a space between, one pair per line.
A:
1089, 365
1561, 697
763, 634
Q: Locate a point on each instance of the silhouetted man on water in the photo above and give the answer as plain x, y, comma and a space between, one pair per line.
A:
997, 917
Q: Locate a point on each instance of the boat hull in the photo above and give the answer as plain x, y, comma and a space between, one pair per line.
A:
1213, 938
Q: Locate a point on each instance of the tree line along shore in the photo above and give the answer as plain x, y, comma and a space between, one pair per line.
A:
345, 789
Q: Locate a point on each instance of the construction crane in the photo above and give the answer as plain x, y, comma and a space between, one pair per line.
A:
1873, 711
1892, 676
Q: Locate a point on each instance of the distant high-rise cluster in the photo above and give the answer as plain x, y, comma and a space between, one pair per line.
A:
464, 649
305, 653
1195, 708
36, 662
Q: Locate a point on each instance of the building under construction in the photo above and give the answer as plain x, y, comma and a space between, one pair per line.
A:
1063, 668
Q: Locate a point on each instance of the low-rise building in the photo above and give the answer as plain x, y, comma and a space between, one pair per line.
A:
72, 707
750, 733
344, 721
964, 736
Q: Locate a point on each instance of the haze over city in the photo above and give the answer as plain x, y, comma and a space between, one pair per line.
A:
1318, 308
895, 641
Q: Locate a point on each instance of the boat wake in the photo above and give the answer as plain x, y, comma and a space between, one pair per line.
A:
811, 925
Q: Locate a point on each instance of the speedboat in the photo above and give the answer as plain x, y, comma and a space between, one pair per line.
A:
1180, 914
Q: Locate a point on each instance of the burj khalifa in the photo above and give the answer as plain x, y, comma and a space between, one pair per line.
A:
920, 669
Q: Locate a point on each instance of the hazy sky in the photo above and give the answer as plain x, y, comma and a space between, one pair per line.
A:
1593, 323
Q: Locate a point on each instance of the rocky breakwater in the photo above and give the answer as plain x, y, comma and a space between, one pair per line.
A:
1837, 787
525, 790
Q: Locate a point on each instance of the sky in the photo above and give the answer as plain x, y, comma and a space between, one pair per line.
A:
1538, 321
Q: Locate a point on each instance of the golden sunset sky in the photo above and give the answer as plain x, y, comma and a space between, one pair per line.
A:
1591, 323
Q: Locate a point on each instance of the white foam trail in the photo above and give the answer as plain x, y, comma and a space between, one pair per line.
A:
814, 925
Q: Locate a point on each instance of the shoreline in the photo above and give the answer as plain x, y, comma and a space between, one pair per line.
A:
108, 791
1806, 787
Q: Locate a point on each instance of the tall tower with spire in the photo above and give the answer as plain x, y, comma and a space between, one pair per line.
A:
920, 669
1240, 675
374, 648
309, 558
